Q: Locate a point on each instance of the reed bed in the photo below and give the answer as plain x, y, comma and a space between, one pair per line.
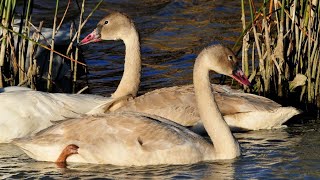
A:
280, 48
18, 60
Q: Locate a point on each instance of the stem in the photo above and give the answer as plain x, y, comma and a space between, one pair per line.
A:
77, 49
245, 44
52, 47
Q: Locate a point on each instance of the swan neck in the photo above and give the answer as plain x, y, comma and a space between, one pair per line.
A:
62, 157
130, 81
225, 146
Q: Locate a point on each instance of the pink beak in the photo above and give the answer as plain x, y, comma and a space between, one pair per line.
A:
239, 76
92, 37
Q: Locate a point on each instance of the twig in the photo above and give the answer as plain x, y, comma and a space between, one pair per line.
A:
29, 39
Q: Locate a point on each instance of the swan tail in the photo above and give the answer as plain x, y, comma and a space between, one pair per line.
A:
257, 120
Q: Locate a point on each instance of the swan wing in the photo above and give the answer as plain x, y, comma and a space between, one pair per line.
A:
175, 103
178, 103
122, 139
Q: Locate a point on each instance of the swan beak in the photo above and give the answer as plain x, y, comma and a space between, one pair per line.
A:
92, 37
239, 76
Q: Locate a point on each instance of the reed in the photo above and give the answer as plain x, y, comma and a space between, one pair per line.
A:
283, 36
6, 12
19, 46
52, 46
77, 49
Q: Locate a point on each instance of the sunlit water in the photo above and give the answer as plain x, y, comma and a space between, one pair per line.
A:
172, 33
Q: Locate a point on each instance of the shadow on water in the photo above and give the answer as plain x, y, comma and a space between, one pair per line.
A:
172, 33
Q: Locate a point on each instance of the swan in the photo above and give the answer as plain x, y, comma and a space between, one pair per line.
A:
138, 139
26, 112
242, 111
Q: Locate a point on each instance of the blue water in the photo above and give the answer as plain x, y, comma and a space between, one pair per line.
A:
172, 33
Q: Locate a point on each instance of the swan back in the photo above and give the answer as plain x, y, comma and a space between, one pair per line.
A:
126, 138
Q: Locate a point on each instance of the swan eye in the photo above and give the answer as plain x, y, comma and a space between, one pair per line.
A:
106, 22
230, 58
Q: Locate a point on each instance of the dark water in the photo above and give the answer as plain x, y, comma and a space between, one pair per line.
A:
172, 33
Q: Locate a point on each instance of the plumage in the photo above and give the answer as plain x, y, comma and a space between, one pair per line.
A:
132, 138
242, 111
25, 112
116, 139
179, 99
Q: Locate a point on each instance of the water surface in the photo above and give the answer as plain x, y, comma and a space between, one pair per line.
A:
290, 153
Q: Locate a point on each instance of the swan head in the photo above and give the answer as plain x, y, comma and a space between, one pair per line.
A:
115, 26
223, 61
71, 149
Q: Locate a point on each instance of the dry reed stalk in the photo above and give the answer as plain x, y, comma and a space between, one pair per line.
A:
245, 42
32, 71
49, 78
8, 53
6, 12
286, 45
82, 25
64, 15
45, 47
23, 45
77, 49
14, 64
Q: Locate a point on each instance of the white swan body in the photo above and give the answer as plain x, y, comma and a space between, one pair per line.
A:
131, 138
242, 111
25, 112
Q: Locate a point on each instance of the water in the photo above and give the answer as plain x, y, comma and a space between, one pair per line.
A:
172, 33
290, 153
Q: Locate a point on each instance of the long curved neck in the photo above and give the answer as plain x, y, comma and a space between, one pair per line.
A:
225, 146
130, 81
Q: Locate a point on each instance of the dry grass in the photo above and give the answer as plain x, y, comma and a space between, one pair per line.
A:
283, 40
13, 58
